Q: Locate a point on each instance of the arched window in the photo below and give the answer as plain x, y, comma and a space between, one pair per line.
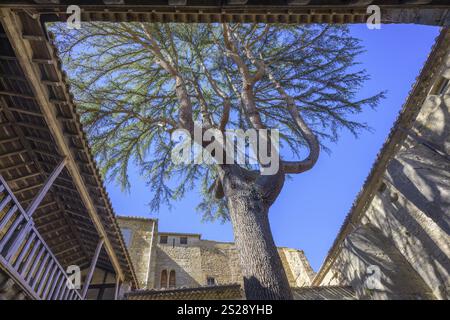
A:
163, 283
172, 281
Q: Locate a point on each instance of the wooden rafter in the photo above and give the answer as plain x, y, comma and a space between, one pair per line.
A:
23, 139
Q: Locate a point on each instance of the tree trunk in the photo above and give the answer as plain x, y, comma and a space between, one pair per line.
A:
263, 272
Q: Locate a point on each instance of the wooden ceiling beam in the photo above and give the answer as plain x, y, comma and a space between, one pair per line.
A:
77, 214
46, 215
63, 243
238, 2
12, 153
31, 151
59, 229
16, 94
34, 37
39, 140
27, 112
12, 77
9, 58
114, 2
11, 139
46, 1
49, 219
15, 166
28, 188
298, 2
47, 204
29, 176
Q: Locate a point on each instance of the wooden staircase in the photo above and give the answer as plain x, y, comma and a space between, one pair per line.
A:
25, 257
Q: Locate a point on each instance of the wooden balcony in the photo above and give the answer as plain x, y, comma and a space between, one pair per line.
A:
26, 257
55, 211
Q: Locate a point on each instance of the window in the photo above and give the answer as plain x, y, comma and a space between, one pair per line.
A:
183, 240
127, 234
163, 239
163, 282
210, 281
172, 281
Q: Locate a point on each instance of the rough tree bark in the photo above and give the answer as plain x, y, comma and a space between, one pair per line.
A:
248, 204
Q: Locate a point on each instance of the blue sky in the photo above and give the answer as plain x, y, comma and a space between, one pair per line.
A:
312, 206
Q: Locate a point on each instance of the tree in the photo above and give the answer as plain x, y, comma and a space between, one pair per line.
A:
136, 83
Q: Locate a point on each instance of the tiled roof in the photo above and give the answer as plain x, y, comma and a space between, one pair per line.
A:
219, 292
135, 218
234, 291
180, 234
324, 293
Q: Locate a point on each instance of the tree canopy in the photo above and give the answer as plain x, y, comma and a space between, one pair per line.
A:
135, 83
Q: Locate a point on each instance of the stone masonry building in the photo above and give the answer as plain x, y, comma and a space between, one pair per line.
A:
184, 260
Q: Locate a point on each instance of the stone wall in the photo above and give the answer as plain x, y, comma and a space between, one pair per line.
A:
195, 262
298, 269
139, 247
198, 260
221, 261
184, 260
399, 244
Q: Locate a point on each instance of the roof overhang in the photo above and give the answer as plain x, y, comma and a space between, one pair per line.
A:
432, 12
180, 234
41, 126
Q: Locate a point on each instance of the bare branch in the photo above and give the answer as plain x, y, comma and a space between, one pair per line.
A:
310, 138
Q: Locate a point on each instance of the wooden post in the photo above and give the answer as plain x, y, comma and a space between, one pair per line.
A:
116, 293
87, 282
40, 196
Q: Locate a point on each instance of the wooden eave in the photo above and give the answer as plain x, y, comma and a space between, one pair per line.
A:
39, 125
260, 11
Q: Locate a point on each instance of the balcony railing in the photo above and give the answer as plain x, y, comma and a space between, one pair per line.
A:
26, 256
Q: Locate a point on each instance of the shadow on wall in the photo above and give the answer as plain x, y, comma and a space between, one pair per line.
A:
422, 243
421, 171
423, 178
403, 250
165, 262
377, 269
